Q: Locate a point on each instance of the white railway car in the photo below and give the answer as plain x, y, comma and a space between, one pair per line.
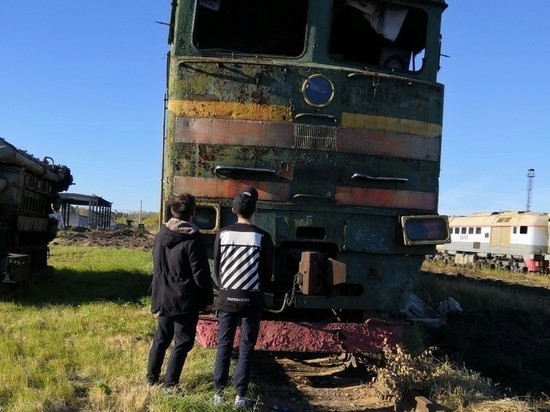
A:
518, 241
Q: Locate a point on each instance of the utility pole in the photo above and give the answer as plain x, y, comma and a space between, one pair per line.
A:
530, 177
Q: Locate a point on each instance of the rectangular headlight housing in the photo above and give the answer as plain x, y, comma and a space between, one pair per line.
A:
425, 230
207, 217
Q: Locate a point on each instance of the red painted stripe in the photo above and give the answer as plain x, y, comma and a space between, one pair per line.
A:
227, 189
388, 144
234, 132
355, 196
281, 135
280, 192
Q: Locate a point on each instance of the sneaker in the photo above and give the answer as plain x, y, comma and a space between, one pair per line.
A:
245, 404
175, 390
152, 380
218, 400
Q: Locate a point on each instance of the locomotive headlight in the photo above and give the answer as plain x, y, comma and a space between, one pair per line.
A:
318, 90
207, 217
425, 230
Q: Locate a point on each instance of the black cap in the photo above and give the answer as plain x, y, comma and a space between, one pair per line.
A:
245, 202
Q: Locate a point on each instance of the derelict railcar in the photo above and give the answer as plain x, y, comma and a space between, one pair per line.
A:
29, 188
332, 110
513, 240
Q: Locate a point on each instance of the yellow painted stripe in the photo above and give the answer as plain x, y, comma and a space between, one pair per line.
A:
391, 124
229, 110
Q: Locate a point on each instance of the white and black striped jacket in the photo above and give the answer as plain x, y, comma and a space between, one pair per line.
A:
243, 260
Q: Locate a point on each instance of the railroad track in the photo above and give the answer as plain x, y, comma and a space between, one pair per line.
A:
307, 383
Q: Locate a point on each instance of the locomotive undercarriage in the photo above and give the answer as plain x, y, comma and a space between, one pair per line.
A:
512, 263
330, 302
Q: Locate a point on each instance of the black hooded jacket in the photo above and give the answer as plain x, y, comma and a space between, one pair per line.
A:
181, 279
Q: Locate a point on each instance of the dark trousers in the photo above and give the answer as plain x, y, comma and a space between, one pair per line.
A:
183, 328
227, 325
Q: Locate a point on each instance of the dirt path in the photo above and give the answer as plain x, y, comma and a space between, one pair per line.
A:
121, 238
304, 383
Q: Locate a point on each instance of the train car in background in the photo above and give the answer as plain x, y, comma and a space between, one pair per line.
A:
29, 200
513, 240
332, 110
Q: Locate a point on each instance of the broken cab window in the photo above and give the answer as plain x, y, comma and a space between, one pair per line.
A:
251, 26
375, 32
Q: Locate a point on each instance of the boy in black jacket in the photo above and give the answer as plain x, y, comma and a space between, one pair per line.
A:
181, 287
243, 260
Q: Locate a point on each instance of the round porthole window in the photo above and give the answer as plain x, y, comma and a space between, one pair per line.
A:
318, 90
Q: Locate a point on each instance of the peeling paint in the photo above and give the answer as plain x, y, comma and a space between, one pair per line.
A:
229, 110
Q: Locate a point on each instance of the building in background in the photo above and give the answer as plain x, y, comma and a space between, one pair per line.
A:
99, 211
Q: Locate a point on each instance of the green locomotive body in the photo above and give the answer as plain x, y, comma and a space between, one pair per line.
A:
332, 110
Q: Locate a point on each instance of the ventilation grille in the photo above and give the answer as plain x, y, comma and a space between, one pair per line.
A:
315, 137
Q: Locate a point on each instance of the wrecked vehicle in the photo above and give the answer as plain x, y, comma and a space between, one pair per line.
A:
331, 109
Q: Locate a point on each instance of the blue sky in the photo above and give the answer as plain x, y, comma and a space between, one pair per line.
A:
496, 121
83, 83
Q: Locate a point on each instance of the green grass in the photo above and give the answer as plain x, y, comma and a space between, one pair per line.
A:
487, 290
502, 331
79, 340
518, 278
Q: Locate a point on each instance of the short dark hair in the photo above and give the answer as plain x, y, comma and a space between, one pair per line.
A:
244, 203
183, 206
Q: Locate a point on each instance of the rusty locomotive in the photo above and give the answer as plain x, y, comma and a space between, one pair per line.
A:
29, 200
332, 110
